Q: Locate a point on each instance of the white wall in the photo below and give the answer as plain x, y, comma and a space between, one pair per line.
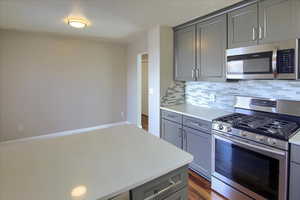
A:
53, 83
158, 42
154, 80
137, 47
160, 48
145, 93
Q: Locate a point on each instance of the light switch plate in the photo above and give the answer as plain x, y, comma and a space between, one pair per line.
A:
151, 91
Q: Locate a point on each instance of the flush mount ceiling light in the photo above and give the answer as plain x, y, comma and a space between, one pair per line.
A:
77, 23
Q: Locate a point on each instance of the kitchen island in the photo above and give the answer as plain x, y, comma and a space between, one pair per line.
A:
94, 165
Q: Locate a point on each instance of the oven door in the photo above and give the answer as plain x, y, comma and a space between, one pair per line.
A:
254, 169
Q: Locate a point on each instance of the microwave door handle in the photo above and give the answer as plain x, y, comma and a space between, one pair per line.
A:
253, 33
274, 62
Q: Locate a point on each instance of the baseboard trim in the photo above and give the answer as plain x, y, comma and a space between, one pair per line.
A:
65, 133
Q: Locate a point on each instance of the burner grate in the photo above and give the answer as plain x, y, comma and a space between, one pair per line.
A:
261, 124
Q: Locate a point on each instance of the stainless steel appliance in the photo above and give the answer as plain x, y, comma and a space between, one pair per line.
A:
250, 149
270, 61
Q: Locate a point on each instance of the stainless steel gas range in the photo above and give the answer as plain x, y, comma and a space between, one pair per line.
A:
251, 151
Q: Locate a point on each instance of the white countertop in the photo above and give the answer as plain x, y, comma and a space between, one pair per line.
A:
204, 113
107, 162
295, 139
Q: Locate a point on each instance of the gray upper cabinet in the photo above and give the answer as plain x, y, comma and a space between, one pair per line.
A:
198, 144
185, 53
212, 37
242, 27
296, 17
172, 132
275, 21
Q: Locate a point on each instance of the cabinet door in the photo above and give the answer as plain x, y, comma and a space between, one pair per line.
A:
172, 133
211, 55
198, 144
275, 21
242, 27
296, 17
294, 181
185, 53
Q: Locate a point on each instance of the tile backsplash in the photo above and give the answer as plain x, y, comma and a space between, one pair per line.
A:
174, 95
221, 94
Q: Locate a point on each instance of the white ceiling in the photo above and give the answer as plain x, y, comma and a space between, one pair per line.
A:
115, 20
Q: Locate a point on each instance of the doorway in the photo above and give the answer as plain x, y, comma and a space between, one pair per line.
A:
144, 92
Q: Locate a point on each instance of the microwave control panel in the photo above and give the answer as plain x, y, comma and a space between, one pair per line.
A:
286, 61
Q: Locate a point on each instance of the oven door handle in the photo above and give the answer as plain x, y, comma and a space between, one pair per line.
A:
274, 62
246, 144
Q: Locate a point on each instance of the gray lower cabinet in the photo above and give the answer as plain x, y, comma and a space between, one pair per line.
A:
185, 54
275, 21
170, 186
211, 36
294, 193
192, 135
172, 132
198, 144
242, 27
294, 181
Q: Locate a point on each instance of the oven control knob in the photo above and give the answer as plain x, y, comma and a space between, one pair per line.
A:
244, 134
272, 141
260, 138
221, 127
228, 129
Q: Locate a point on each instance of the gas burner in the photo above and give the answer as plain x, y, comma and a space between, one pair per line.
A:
261, 124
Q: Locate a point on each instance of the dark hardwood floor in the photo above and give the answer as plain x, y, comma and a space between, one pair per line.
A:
199, 189
145, 122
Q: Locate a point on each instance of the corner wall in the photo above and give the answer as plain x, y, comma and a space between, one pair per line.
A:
136, 47
51, 83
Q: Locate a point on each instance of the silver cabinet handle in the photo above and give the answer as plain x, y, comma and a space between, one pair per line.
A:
260, 34
171, 116
253, 33
197, 73
274, 62
183, 141
196, 124
193, 74
181, 132
172, 185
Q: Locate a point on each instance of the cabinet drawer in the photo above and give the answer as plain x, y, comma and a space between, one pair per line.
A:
295, 153
197, 124
162, 187
175, 117
180, 195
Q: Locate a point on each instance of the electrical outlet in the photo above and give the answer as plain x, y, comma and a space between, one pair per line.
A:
212, 98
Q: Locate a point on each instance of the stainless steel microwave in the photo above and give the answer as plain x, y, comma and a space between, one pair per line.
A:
269, 61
